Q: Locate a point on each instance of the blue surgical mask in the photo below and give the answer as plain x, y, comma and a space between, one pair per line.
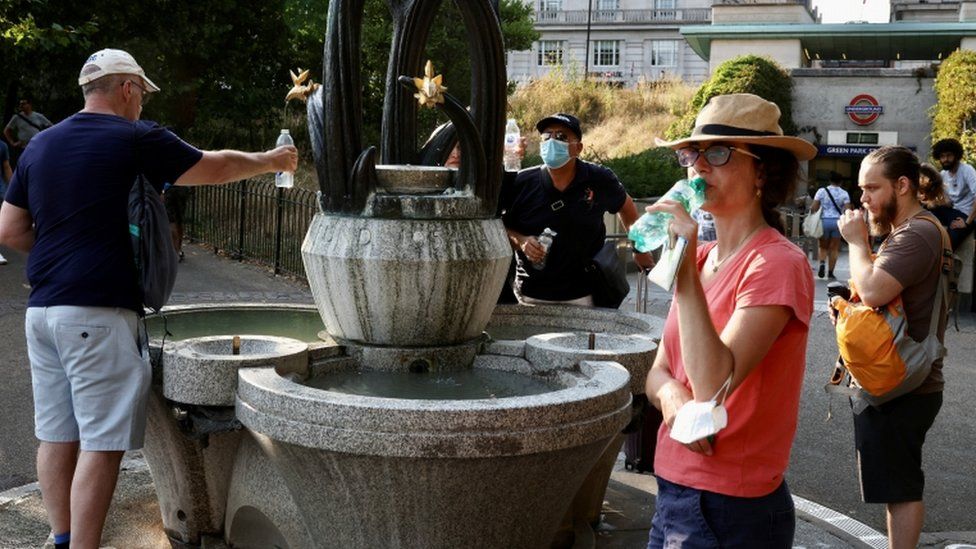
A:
554, 153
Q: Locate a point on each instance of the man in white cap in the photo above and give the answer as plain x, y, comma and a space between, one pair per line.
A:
67, 207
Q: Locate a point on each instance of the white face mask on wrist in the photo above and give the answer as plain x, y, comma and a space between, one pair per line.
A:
698, 420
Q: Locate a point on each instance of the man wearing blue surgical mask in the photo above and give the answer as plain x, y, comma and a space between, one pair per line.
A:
569, 196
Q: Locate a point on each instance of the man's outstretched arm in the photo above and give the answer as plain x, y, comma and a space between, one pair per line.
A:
217, 167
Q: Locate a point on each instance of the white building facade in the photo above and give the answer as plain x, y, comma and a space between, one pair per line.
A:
628, 40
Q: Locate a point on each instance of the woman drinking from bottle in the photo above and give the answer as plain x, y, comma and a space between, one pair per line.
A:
728, 374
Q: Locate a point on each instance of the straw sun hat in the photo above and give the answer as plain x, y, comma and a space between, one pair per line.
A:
743, 118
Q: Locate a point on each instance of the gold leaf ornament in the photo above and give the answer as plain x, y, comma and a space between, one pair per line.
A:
430, 91
300, 90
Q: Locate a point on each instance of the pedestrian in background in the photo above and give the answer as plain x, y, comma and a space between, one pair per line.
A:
959, 179
23, 126
67, 208
888, 439
834, 200
931, 193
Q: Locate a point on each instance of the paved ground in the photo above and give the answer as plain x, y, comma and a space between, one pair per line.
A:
822, 467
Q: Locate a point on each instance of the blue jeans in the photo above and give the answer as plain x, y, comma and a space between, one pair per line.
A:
686, 518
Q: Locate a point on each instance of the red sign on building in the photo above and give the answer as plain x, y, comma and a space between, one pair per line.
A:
863, 109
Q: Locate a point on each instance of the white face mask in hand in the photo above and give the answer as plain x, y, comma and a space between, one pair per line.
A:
698, 420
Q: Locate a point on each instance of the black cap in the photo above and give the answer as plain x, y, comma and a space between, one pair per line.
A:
567, 120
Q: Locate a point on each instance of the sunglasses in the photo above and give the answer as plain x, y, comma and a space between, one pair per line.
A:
558, 136
715, 155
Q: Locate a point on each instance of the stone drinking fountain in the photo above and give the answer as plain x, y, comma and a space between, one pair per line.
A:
402, 423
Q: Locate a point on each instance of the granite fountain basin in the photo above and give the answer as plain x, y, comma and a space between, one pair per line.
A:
373, 471
520, 322
405, 282
203, 370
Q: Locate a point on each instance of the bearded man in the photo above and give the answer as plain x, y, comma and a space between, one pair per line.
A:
888, 438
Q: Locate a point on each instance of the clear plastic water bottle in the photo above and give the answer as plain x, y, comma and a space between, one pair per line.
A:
545, 240
512, 138
285, 180
650, 232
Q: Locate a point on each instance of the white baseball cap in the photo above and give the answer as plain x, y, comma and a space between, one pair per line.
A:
109, 61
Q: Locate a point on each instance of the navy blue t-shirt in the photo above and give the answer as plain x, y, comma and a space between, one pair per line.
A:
532, 203
74, 178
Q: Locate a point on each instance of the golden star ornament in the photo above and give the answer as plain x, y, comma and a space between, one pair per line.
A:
429, 89
300, 90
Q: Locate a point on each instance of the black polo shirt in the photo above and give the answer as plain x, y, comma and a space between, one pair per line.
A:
531, 203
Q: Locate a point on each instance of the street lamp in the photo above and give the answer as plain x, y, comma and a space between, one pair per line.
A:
589, 23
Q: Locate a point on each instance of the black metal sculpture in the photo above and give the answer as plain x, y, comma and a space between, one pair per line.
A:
346, 170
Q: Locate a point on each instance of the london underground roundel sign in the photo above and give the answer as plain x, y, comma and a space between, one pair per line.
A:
863, 109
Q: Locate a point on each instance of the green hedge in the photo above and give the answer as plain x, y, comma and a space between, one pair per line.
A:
955, 105
744, 74
648, 173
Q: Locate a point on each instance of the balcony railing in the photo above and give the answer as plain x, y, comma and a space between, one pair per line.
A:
579, 17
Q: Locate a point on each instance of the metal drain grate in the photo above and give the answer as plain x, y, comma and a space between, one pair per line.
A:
843, 524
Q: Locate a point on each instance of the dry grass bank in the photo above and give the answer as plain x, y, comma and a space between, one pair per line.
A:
617, 122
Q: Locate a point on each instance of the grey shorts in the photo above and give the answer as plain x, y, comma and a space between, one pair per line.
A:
91, 383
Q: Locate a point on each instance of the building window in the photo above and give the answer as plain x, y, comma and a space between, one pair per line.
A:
664, 9
549, 9
550, 52
606, 10
550, 5
606, 53
664, 53
854, 138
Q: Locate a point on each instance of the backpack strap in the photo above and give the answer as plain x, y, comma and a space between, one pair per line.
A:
945, 265
831, 197
28, 120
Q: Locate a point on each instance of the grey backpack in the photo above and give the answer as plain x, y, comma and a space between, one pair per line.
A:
152, 247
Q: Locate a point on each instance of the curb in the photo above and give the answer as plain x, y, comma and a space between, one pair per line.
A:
855, 532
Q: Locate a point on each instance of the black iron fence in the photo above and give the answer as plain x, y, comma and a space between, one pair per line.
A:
253, 220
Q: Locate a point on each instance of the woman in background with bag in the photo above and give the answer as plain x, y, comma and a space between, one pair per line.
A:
830, 201
728, 374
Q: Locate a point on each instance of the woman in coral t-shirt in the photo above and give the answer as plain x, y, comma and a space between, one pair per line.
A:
741, 310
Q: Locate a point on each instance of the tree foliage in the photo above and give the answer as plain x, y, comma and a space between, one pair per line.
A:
955, 105
222, 64
744, 74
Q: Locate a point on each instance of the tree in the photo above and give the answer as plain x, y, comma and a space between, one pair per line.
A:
955, 105
744, 74
222, 64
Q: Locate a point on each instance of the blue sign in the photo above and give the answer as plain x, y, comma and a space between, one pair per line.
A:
864, 109
847, 150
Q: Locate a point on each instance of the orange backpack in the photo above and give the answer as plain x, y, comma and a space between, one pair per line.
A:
883, 361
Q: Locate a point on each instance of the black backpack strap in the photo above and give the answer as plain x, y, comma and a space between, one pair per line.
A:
28, 120
831, 197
